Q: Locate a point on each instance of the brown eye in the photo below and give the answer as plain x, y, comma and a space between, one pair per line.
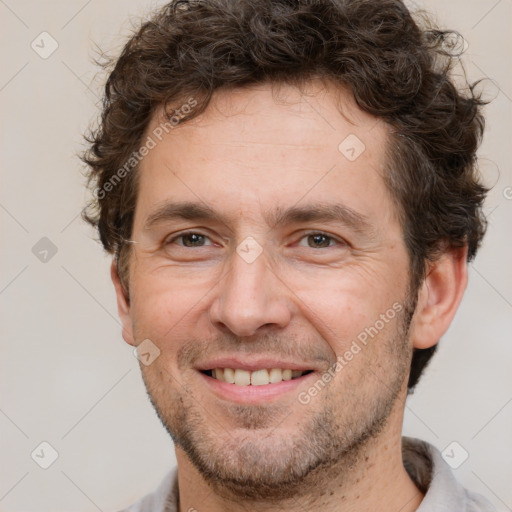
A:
190, 239
320, 241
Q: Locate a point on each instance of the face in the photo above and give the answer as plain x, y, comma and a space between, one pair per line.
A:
266, 248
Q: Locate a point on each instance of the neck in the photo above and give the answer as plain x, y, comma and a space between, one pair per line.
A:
378, 481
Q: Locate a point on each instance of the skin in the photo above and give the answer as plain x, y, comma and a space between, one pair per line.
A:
301, 299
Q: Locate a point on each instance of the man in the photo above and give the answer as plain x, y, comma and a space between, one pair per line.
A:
289, 193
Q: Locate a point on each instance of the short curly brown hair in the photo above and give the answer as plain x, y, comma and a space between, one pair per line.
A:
398, 68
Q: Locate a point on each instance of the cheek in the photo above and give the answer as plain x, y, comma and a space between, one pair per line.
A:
347, 308
160, 308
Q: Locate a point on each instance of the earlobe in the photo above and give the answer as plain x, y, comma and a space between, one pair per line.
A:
439, 297
123, 307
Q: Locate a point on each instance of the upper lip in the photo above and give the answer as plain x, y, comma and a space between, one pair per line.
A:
252, 364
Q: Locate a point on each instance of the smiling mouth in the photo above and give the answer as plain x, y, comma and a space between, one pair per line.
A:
261, 377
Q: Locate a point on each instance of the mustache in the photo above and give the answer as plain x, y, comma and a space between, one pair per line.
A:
291, 347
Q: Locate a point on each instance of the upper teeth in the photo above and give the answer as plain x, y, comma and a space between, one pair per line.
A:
255, 378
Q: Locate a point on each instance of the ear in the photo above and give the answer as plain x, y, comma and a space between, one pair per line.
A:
123, 307
439, 297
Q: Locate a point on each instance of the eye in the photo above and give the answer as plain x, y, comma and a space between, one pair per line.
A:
190, 239
318, 240
314, 240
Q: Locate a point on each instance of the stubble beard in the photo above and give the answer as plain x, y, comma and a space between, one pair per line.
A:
257, 462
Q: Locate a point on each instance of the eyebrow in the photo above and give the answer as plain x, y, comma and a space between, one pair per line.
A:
315, 212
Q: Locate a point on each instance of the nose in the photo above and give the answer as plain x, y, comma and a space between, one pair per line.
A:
250, 299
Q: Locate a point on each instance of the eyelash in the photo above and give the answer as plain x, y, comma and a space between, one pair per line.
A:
305, 235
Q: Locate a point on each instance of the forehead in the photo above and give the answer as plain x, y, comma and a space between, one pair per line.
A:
261, 111
261, 146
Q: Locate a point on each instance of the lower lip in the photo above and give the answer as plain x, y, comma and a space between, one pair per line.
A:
254, 394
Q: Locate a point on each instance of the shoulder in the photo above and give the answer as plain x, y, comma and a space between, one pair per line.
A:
431, 473
163, 499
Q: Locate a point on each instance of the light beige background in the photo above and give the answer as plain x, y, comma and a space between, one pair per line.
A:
66, 375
